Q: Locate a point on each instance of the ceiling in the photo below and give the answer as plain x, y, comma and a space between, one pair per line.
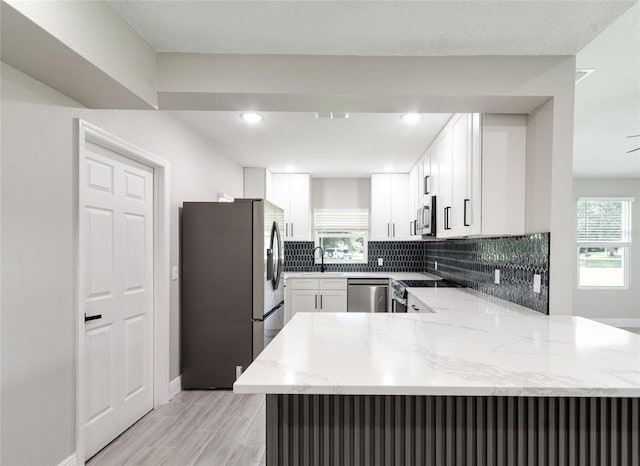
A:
418, 28
364, 143
608, 102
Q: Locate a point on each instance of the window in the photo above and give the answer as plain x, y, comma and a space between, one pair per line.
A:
604, 238
342, 234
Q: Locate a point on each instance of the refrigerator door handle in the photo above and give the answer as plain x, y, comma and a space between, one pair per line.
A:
269, 264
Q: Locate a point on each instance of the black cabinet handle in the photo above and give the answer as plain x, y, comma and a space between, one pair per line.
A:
394, 230
292, 229
320, 301
426, 184
465, 212
316, 301
95, 317
446, 218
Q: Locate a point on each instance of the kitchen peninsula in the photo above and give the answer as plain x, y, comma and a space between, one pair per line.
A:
479, 381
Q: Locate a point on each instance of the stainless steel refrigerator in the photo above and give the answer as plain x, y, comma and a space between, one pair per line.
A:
232, 287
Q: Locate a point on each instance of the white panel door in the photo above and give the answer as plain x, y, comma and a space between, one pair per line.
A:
299, 204
400, 218
117, 255
380, 207
333, 301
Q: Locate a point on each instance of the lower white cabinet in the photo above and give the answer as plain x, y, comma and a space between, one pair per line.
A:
333, 300
315, 295
304, 301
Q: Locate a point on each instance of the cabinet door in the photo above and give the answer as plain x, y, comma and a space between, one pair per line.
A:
460, 212
400, 219
444, 201
415, 197
333, 301
434, 170
303, 301
380, 207
299, 205
280, 197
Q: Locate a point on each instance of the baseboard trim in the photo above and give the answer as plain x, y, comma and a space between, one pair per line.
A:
625, 323
71, 461
175, 386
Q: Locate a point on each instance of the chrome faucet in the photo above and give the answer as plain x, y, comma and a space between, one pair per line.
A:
321, 257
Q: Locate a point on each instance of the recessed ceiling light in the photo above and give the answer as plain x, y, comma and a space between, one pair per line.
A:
411, 118
388, 168
251, 117
290, 168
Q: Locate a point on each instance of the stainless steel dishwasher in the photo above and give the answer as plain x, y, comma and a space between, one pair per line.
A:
368, 295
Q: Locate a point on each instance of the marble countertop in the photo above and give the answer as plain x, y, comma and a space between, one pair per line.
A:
390, 275
473, 346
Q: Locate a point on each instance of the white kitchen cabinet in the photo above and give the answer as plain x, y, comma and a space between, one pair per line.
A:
291, 192
477, 172
315, 295
380, 207
444, 145
400, 218
333, 301
415, 305
499, 180
303, 301
257, 184
390, 216
459, 213
413, 197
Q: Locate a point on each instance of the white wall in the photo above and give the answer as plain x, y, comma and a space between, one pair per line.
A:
38, 197
612, 304
341, 193
538, 171
86, 27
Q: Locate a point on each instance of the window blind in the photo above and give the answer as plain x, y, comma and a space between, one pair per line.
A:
341, 220
604, 221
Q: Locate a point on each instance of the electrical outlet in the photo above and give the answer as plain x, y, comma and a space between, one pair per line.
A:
238, 372
537, 283
435, 265
174, 273
496, 278
380, 261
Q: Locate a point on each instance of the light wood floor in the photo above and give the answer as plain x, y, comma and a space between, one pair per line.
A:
217, 428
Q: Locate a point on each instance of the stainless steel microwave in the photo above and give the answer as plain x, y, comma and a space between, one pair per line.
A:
426, 218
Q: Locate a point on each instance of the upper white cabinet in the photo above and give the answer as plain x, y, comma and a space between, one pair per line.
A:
476, 170
455, 176
291, 192
390, 216
502, 150
257, 183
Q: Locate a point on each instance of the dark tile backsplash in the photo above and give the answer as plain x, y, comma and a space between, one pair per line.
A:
470, 262
398, 256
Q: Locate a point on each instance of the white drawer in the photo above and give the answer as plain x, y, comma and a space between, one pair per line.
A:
415, 305
333, 284
303, 284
